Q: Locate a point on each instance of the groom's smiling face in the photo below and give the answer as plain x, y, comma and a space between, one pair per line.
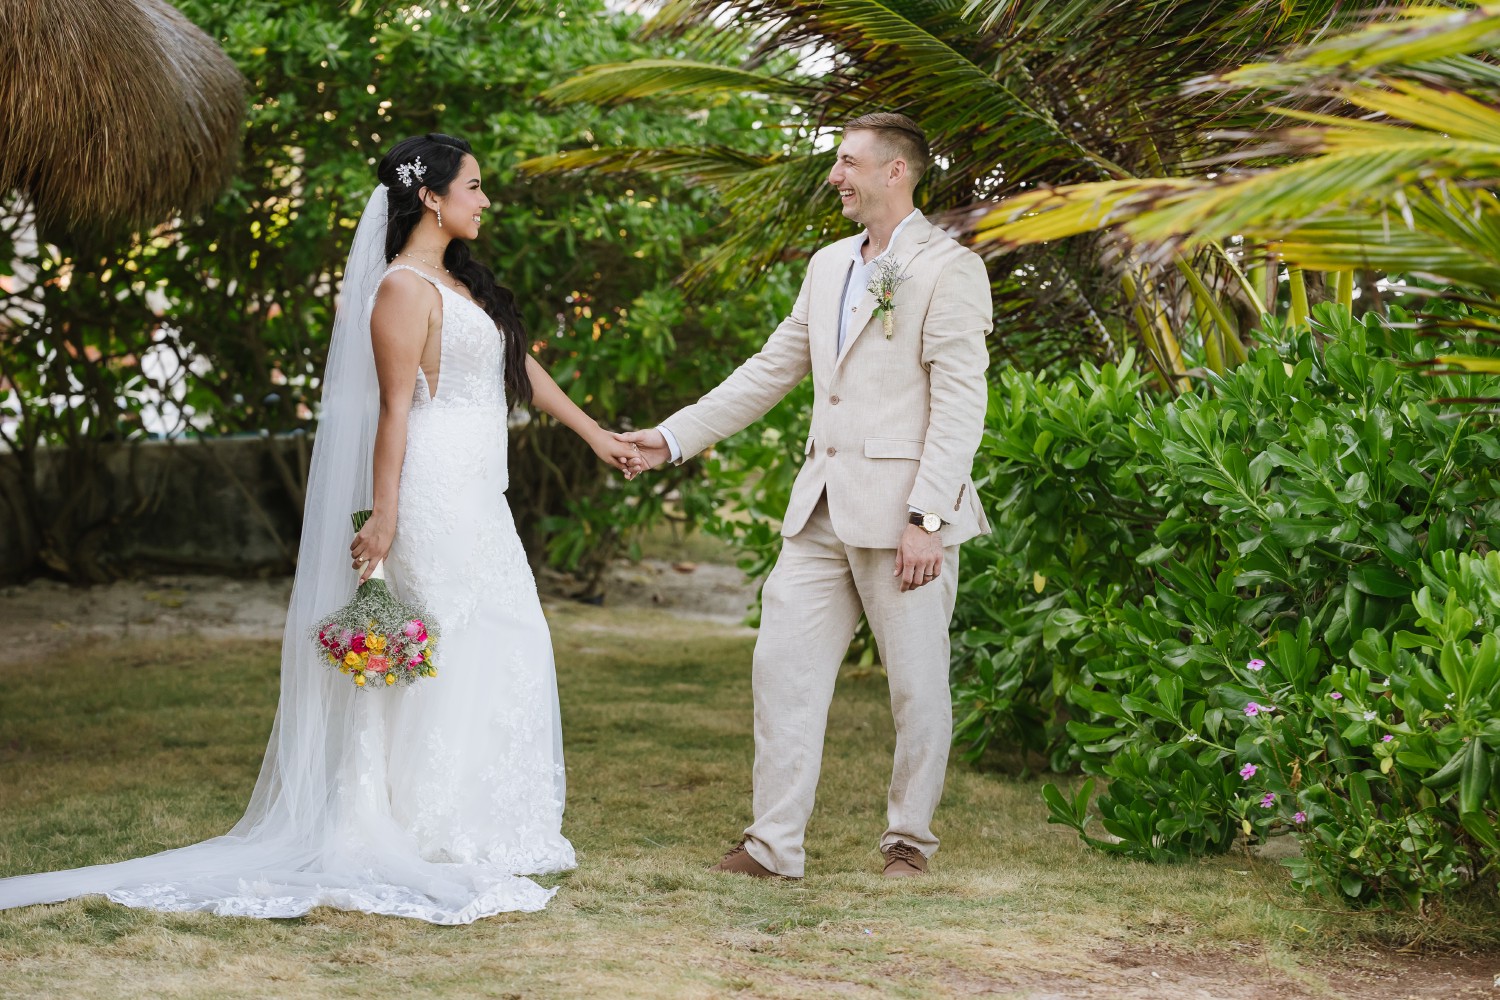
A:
859, 175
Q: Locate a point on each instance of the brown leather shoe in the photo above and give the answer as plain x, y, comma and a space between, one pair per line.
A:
739, 862
903, 861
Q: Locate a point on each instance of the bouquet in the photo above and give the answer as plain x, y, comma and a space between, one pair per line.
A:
375, 639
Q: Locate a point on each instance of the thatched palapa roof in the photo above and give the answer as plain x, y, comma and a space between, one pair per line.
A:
113, 112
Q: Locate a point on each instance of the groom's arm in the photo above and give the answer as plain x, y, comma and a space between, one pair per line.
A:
750, 391
954, 354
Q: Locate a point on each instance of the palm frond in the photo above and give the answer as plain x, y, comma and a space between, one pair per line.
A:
1048, 214
1243, 25
1421, 34
617, 83
1448, 135
1437, 243
716, 166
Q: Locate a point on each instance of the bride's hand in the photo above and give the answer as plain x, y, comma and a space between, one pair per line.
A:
371, 545
616, 454
651, 449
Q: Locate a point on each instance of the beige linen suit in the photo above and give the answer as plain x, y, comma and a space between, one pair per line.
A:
895, 425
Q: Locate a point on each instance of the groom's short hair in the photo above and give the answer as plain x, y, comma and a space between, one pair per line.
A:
898, 136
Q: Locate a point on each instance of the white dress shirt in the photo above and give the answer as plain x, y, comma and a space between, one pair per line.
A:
860, 273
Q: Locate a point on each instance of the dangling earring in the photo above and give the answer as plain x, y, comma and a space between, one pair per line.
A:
440, 218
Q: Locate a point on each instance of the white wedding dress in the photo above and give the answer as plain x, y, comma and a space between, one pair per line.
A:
432, 801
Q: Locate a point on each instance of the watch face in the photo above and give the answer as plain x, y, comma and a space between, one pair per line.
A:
931, 522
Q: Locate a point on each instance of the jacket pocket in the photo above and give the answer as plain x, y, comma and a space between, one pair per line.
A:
807, 449
892, 448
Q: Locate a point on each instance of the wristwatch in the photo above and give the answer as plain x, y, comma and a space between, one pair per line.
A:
929, 523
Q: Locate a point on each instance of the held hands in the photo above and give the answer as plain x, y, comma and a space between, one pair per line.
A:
919, 558
371, 545
650, 449
617, 453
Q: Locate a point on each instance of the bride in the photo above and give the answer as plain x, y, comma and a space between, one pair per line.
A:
433, 801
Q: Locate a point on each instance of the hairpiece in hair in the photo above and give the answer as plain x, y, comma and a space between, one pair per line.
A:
408, 171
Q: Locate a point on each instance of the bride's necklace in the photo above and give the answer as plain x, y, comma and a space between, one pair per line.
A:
447, 274
424, 260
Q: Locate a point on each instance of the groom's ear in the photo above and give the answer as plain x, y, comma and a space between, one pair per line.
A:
896, 172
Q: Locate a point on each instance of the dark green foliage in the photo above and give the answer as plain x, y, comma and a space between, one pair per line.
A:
245, 286
1291, 512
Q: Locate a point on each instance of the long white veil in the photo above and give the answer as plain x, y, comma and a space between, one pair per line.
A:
299, 844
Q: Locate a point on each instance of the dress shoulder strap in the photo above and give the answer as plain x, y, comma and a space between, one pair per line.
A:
407, 267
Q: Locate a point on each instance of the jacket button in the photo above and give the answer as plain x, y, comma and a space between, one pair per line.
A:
834, 400
832, 452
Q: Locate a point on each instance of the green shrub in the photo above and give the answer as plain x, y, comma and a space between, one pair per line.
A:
1383, 764
1294, 512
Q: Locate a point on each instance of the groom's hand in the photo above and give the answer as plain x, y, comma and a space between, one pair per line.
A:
919, 558
651, 449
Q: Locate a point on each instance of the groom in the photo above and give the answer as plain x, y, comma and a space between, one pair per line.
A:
883, 499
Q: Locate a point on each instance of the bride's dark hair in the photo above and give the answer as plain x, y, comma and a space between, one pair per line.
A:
441, 156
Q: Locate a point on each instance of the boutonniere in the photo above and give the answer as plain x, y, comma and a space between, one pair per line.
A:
887, 278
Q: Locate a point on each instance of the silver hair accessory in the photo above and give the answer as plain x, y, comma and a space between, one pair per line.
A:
407, 171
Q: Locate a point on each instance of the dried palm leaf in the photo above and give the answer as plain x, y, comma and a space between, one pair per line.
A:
117, 112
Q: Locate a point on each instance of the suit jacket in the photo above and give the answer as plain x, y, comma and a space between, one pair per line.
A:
896, 422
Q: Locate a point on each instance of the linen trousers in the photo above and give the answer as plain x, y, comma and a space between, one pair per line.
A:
810, 606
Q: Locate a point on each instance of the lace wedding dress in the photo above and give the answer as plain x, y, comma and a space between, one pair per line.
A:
432, 801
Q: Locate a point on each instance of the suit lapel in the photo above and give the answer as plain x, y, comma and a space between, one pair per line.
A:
823, 323
911, 241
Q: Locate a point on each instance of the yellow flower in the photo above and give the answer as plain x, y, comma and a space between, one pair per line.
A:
359, 679
375, 643
351, 659
390, 679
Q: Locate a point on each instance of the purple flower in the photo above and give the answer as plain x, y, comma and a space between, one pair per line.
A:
1252, 709
1300, 817
1268, 800
1255, 665
1248, 771
1386, 738
1336, 696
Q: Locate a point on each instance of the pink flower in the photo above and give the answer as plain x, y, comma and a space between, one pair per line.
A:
1386, 738
416, 630
1256, 665
1336, 696
377, 664
357, 644
1300, 817
1248, 771
1268, 801
1252, 709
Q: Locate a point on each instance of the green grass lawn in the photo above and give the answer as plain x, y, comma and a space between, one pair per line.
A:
111, 751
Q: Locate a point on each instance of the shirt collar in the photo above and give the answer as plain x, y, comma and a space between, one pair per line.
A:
859, 241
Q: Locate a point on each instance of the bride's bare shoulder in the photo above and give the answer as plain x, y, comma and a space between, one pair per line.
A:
404, 292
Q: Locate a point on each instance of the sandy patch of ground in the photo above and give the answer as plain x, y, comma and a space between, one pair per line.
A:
46, 615
1149, 972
